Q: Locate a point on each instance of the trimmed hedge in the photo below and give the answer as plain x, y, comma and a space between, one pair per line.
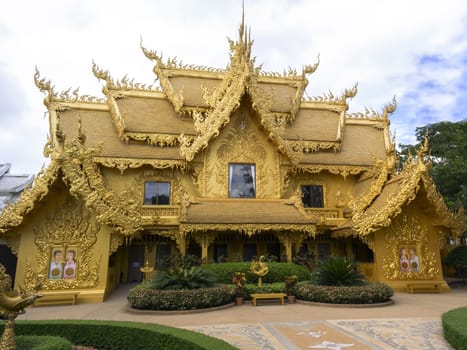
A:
251, 288
455, 328
115, 335
42, 342
277, 272
367, 294
145, 298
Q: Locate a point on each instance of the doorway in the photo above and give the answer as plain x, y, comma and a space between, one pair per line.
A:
135, 261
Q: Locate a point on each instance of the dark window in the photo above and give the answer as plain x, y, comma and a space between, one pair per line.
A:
324, 251
156, 193
242, 181
249, 251
312, 196
220, 252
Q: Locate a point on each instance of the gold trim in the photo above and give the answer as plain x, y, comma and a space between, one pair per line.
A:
130, 163
314, 146
249, 229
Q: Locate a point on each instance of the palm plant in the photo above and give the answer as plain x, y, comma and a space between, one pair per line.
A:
194, 277
337, 271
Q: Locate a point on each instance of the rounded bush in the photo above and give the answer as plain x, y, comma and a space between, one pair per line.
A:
455, 328
182, 299
118, 335
366, 294
42, 342
277, 272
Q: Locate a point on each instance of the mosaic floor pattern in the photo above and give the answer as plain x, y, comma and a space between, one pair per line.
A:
401, 334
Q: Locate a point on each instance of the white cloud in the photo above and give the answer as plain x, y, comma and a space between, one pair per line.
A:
383, 45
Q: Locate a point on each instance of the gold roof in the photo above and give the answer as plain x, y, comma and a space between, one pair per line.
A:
384, 200
244, 211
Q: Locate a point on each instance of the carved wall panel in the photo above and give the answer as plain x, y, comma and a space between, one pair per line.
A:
242, 141
405, 234
69, 229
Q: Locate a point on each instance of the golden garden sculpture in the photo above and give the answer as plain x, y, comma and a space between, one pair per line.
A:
260, 269
12, 304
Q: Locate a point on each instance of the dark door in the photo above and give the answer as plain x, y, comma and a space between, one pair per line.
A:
220, 252
274, 251
163, 255
135, 261
324, 251
9, 260
249, 251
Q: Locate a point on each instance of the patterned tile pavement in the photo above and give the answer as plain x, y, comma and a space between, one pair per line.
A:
413, 322
401, 334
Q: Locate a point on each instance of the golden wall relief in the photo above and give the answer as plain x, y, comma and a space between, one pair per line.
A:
116, 241
408, 255
65, 259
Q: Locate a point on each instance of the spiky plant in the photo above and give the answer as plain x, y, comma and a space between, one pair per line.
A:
337, 271
184, 278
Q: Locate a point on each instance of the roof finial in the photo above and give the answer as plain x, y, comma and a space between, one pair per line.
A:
244, 38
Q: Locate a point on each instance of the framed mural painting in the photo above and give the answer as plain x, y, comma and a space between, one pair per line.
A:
409, 260
70, 266
56, 263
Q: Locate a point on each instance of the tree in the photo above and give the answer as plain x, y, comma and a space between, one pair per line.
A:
448, 147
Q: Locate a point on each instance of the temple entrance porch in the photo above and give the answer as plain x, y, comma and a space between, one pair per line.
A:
161, 249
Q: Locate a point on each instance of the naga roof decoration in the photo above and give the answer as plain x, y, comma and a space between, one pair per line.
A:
384, 199
371, 114
85, 181
46, 87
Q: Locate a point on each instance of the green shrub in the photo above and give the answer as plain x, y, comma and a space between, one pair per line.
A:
365, 294
458, 258
337, 271
277, 271
42, 342
117, 335
183, 299
251, 288
455, 328
193, 277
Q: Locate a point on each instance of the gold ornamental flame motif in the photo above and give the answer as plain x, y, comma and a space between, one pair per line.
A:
260, 269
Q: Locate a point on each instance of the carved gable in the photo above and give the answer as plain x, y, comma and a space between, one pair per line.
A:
243, 140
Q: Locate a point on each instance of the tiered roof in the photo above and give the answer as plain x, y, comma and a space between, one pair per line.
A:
168, 126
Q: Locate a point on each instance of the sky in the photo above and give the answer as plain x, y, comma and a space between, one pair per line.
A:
414, 50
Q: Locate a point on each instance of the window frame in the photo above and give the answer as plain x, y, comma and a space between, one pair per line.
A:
231, 178
323, 202
157, 192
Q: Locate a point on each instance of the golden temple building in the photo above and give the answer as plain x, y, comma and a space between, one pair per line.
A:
224, 164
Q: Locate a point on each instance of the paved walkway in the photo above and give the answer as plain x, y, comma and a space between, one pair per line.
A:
412, 322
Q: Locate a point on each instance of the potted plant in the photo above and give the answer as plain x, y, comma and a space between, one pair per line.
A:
239, 279
290, 282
